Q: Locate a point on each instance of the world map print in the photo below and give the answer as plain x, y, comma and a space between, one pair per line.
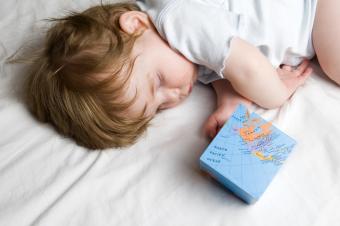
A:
246, 154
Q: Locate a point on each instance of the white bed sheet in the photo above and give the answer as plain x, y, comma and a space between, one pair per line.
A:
46, 179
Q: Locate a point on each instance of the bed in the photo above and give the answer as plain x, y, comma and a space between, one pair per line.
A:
46, 179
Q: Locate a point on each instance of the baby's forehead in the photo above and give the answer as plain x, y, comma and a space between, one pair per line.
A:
117, 76
141, 103
133, 86
132, 94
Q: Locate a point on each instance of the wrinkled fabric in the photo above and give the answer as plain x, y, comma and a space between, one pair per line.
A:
46, 179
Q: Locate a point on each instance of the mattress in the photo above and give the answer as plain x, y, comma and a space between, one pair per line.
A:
46, 179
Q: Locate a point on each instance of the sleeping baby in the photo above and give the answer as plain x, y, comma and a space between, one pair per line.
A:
104, 73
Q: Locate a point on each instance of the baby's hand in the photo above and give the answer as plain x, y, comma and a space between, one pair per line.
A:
294, 77
217, 119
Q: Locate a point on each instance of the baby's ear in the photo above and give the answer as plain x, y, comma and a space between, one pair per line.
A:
133, 22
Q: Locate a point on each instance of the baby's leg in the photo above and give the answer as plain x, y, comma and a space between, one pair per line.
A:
326, 37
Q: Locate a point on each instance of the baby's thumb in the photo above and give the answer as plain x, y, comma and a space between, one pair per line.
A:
307, 73
210, 127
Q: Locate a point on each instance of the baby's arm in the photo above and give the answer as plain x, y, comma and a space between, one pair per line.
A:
251, 74
228, 98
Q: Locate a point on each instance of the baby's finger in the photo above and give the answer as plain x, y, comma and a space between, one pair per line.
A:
286, 68
307, 72
302, 78
302, 67
211, 127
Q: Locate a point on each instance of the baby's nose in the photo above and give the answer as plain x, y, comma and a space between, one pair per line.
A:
171, 98
172, 94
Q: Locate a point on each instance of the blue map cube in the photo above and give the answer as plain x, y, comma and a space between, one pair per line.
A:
246, 154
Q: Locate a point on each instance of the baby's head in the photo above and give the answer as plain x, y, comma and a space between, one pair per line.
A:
103, 74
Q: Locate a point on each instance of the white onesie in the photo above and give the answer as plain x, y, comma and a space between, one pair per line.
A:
201, 30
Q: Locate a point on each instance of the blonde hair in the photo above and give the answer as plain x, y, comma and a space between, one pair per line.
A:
63, 88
